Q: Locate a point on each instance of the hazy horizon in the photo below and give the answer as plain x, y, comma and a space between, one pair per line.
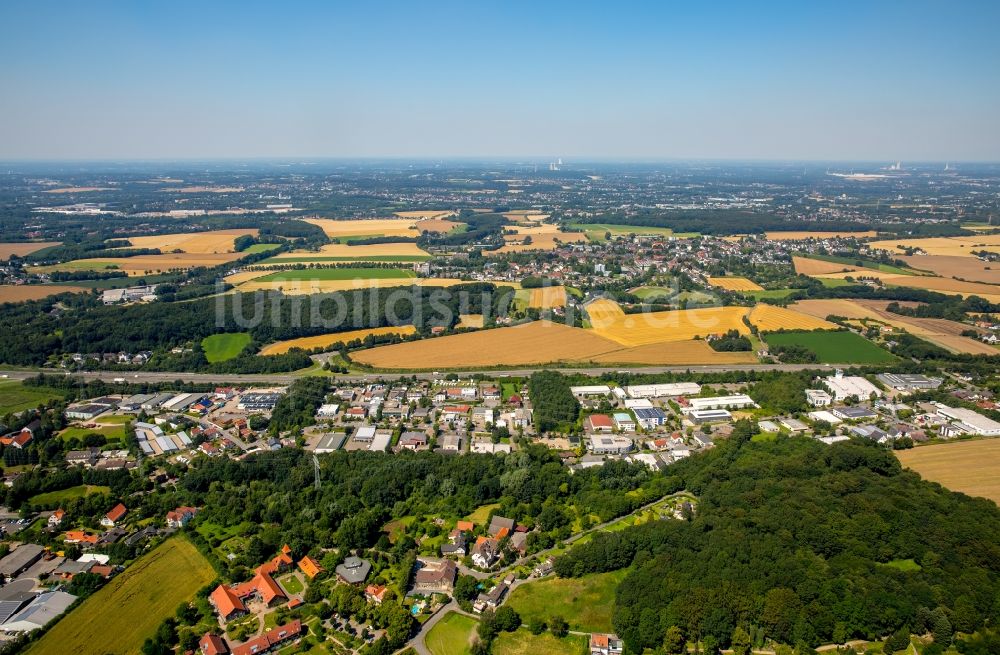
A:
846, 82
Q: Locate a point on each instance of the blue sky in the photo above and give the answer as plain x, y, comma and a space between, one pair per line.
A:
659, 80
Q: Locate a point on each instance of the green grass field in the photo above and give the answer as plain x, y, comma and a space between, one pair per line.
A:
834, 347
111, 432
336, 274
260, 247
482, 513
596, 231
61, 496
651, 293
522, 298
771, 293
120, 616
832, 282
523, 642
220, 347
452, 635
587, 603
15, 397
291, 583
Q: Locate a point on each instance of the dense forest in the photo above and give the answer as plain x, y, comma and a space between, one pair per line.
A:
554, 405
800, 542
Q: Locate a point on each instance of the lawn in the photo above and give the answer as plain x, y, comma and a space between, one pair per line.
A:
260, 247
220, 347
831, 282
834, 347
771, 293
298, 274
61, 496
587, 603
649, 293
480, 515
15, 397
508, 389
120, 616
111, 432
523, 642
452, 635
291, 584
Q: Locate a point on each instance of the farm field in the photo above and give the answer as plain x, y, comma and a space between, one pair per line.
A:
301, 274
121, 615
440, 225
202, 243
809, 266
587, 603
950, 246
525, 216
942, 332
22, 292
834, 347
539, 342
735, 283
603, 312
543, 237
222, 347
596, 231
64, 495
678, 325
522, 642
259, 248
328, 340
768, 318
452, 635
799, 236
401, 227
343, 252
470, 321
965, 268
772, 293
972, 467
15, 397
865, 264
204, 189
22, 249
677, 353
547, 297
307, 286
78, 189
429, 214
143, 264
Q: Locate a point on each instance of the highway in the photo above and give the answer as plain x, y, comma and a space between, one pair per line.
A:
286, 378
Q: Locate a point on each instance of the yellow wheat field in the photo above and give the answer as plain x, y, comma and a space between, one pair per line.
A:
679, 325
603, 311
470, 321
402, 227
79, 189
965, 268
538, 343
548, 297
972, 467
543, 237
22, 292
734, 283
769, 318
679, 353
425, 213
436, 225
359, 252
305, 287
239, 278
144, 264
824, 308
799, 236
328, 340
807, 266
216, 241
22, 249
949, 246
525, 216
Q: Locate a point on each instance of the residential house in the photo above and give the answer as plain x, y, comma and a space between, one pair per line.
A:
112, 518
179, 517
212, 644
435, 576
606, 644
310, 567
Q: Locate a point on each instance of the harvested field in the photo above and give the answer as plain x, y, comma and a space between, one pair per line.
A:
734, 283
402, 227
966, 345
425, 213
603, 311
770, 318
334, 252
972, 467
205, 189
807, 266
948, 246
25, 248
540, 342
470, 321
547, 297
345, 273
543, 237
679, 325
245, 276
947, 285
680, 353
824, 308
22, 292
525, 216
300, 287
799, 236
965, 268
437, 225
328, 340
193, 242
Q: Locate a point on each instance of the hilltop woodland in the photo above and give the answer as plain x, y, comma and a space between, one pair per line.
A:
802, 543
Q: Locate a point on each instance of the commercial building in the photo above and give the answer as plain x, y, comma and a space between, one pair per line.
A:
818, 398
972, 422
592, 390
650, 417
609, 445
669, 390
908, 381
739, 401
845, 386
709, 415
